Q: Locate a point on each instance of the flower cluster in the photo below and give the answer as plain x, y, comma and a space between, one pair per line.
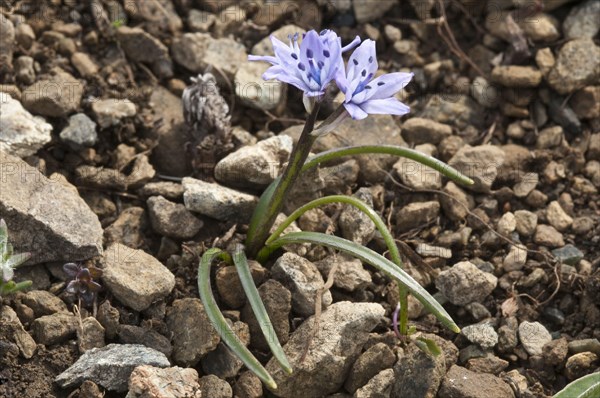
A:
317, 61
82, 282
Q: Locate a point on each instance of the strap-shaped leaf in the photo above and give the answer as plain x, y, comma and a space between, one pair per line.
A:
218, 320
375, 259
17, 259
243, 269
585, 387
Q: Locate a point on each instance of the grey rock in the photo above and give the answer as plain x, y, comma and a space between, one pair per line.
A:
424, 131
583, 21
12, 330
134, 277
461, 111
84, 64
355, 225
303, 280
110, 366
550, 137
24, 35
255, 166
130, 334
480, 163
214, 387
7, 43
149, 381
485, 93
141, 46
430, 370
416, 214
568, 254
248, 385
457, 206
506, 224
426, 250
584, 102
197, 51
380, 386
172, 134
128, 228
464, 283
108, 316
193, 334
517, 76
350, 274
56, 95
585, 345
200, 21
368, 365
417, 176
44, 217
533, 336
365, 12
255, 92
229, 286
22, 133
278, 303
546, 235
576, 66
222, 362
90, 335
172, 219
526, 222
43, 302
80, 132
168, 190
557, 217
110, 112
55, 328
216, 201
507, 336
482, 334
343, 330
24, 69
463, 383
515, 259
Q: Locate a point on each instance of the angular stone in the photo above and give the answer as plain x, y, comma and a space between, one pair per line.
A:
568, 254
56, 96
430, 370
197, 51
172, 219
462, 383
12, 330
355, 225
343, 330
526, 222
576, 66
216, 201
303, 280
368, 365
134, 277
533, 336
557, 217
193, 334
517, 76
22, 133
90, 335
148, 381
464, 283
546, 235
141, 46
460, 111
80, 132
110, 366
129, 334
256, 92
458, 206
365, 12
350, 274
380, 386
214, 387
55, 328
416, 214
255, 166
482, 334
45, 218
424, 131
110, 112
583, 21
481, 163
43, 302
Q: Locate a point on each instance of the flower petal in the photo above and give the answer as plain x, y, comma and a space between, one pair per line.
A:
352, 44
265, 58
388, 85
355, 111
361, 65
388, 106
280, 73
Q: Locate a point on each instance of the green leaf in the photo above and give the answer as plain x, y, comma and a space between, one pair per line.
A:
585, 387
241, 264
261, 210
408, 153
375, 259
429, 346
17, 259
218, 320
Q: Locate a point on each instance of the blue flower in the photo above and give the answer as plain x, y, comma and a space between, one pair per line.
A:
366, 96
310, 65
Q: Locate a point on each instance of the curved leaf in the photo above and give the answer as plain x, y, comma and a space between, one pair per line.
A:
375, 259
219, 322
585, 387
241, 264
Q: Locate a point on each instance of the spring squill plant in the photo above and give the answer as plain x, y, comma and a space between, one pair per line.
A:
311, 65
8, 262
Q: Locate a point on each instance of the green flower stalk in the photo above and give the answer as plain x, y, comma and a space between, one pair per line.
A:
8, 262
